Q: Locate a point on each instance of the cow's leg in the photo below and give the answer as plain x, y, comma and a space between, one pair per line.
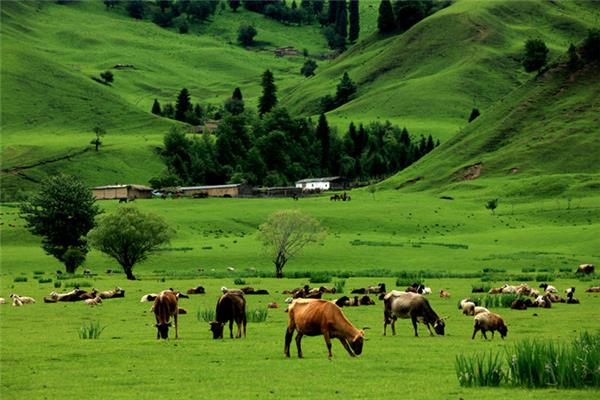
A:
289, 332
231, 328
244, 321
393, 325
157, 331
328, 343
493, 334
483, 333
298, 344
414, 322
429, 328
475, 331
176, 326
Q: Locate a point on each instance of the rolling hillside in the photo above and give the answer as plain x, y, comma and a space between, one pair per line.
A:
541, 140
426, 79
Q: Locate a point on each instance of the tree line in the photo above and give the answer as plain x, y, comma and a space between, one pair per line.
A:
401, 15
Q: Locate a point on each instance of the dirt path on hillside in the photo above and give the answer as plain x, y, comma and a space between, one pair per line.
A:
18, 169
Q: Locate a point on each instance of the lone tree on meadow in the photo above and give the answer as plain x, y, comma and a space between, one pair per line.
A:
129, 236
285, 234
62, 213
309, 67
268, 100
99, 132
156, 108
492, 205
107, 77
345, 89
535, 56
246, 34
183, 105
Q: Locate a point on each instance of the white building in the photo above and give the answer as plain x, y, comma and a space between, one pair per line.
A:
322, 184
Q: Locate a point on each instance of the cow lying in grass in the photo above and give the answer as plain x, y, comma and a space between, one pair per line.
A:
313, 317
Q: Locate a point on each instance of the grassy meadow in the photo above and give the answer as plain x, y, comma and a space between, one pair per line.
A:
372, 239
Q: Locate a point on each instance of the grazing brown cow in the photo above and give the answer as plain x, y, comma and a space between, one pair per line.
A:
313, 317
230, 307
165, 306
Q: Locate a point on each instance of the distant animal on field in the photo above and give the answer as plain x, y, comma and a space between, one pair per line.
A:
110, 294
196, 290
93, 302
548, 288
593, 289
314, 317
586, 269
230, 307
488, 321
2, 300
410, 305
380, 288
20, 300
165, 306
444, 293
273, 305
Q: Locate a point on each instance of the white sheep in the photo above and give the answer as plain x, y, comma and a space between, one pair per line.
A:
468, 308
2, 300
94, 302
479, 310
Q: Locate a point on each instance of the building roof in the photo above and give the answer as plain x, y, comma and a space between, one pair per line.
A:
233, 185
137, 187
326, 179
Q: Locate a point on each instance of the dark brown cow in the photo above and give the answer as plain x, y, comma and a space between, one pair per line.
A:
410, 305
230, 307
586, 269
196, 290
313, 317
165, 306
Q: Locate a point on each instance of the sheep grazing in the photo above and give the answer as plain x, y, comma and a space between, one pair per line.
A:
93, 302
489, 321
593, 289
468, 308
479, 310
462, 302
444, 293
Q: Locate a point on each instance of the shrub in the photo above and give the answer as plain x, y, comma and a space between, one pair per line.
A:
239, 281
528, 269
544, 278
45, 280
479, 370
319, 277
73, 258
57, 284
91, 331
20, 279
78, 284
38, 273
246, 34
107, 76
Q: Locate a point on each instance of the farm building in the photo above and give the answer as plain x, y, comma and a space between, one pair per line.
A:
129, 192
328, 183
233, 190
278, 191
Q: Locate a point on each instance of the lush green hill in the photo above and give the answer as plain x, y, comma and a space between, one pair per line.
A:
426, 79
429, 78
542, 139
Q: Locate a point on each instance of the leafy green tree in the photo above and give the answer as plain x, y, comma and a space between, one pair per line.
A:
410, 12
386, 21
268, 100
183, 105
234, 4
309, 67
129, 236
62, 213
334, 40
591, 46
345, 89
286, 233
156, 107
492, 205
354, 21
246, 34
99, 132
107, 77
474, 114
135, 9
535, 55
324, 138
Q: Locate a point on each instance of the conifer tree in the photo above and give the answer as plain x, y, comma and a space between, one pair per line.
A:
345, 89
156, 107
323, 136
386, 21
354, 21
183, 105
234, 4
341, 20
268, 100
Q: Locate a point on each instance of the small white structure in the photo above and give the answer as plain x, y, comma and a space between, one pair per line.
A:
322, 184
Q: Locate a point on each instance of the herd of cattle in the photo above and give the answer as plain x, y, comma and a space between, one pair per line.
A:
311, 316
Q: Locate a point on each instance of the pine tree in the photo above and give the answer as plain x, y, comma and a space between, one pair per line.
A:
156, 107
237, 94
474, 114
234, 4
535, 56
332, 11
354, 21
341, 20
268, 100
386, 21
345, 89
183, 105
323, 136
430, 144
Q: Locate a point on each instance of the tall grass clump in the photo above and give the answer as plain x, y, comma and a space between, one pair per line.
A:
319, 277
239, 281
544, 277
536, 364
206, 315
91, 331
479, 370
57, 284
339, 285
20, 279
497, 300
78, 284
45, 280
257, 315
